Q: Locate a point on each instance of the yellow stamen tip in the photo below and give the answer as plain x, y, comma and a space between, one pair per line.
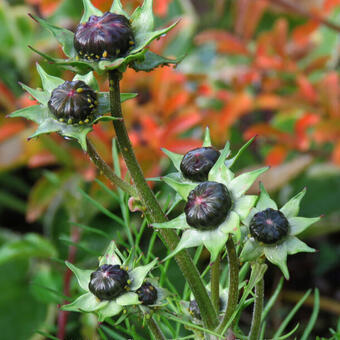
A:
104, 54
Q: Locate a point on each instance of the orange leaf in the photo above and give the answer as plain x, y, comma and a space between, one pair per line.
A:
301, 126
306, 89
276, 155
336, 154
9, 129
301, 34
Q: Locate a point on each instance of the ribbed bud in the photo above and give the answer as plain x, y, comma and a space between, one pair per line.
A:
147, 294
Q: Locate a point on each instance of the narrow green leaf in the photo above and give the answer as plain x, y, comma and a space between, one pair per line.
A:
207, 139
230, 162
89, 10
314, 317
272, 300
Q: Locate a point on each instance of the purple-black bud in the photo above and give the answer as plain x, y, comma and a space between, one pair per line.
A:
108, 282
208, 206
269, 226
106, 37
147, 294
197, 163
73, 102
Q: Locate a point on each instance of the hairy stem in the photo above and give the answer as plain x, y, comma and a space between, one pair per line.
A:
155, 330
233, 284
215, 284
257, 311
153, 211
107, 171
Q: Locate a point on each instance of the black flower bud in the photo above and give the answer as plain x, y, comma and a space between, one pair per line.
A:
73, 102
197, 163
208, 205
269, 226
106, 37
147, 294
108, 282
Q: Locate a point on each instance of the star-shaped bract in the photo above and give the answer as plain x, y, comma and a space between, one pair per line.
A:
213, 240
48, 123
139, 58
105, 309
289, 244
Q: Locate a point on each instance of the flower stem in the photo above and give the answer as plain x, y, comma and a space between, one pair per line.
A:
155, 330
257, 312
215, 284
107, 171
233, 284
153, 211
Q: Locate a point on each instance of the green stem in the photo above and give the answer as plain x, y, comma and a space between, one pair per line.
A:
233, 284
155, 330
107, 171
257, 312
215, 284
153, 211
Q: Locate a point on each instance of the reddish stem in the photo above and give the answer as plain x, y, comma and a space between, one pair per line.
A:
72, 250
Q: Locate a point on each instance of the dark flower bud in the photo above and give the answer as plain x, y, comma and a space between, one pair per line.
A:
269, 226
195, 311
106, 37
108, 282
147, 294
73, 102
208, 205
197, 163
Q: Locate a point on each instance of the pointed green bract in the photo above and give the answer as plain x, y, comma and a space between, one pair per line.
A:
33, 113
117, 8
63, 36
265, 201
89, 79
83, 276
244, 204
41, 96
127, 299
111, 309
180, 184
207, 139
294, 246
176, 158
49, 82
231, 223
214, 241
179, 222
89, 10
110, 256
277, 255
219, 173
299, 224
230, 162
240, 184
138, 274
292, 207
250, 251
85, 303
142, 18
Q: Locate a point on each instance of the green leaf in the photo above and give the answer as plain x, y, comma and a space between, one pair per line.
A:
294, 246
83, 276
251, 251
179, 222
292, 207
240, 184
142, 18
179, 184
127, 299
176, 158
89, 79
89, 10
314, 317
33, 113
300, 224
110, 256
118, 8
265, 201
85, 303
111, 309
153, 60
41, 96
214, 241
63, 36
207, 139
138, 274
49, 82
243, 205
277, 254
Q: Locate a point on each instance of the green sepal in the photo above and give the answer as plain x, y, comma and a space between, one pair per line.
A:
265, 201
180, 184
40, 95
85, 303
89, 79
62, 35
214, 241
89, 10
118, 8
33, 113
111, 309
152, 60
142, 18
230, 162
49, 83
244, 204
251, 251
207, 139
277, 254
138, 274
128, 299
179, 222
110, 256
292, 207
294, 246
175, 158
83, 276
299, 224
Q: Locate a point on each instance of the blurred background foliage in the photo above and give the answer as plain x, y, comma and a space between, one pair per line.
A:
264, 68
